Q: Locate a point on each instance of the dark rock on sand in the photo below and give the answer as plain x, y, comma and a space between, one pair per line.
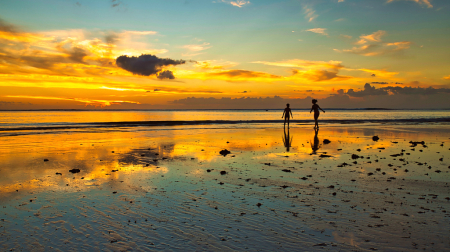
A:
286, 170
326, 141
74, 170
58, 173
223, 172
354, 156
324, 155
45, 160
414, 144
375, 138
224, 152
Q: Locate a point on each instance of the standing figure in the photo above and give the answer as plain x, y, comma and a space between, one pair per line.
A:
316, 108
286, 113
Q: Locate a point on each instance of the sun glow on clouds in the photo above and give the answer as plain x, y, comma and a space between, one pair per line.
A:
101, 103
310, 13
318, 31
237, 3
424, 2
372, 45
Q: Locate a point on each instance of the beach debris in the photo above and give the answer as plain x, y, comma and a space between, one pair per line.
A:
224, 152
267, 164
342, 165
223, 172
414, 143
325, 155
45, 160
74, 170
304, 178
286, 170
326, 141
375, 138
58, 173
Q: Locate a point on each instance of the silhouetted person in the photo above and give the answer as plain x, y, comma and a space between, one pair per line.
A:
315, 146
286, 113
287, 139
316, 108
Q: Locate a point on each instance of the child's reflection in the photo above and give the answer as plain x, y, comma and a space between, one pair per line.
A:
287, 139
315, 146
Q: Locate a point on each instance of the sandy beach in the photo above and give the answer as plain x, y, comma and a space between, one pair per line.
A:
171, 189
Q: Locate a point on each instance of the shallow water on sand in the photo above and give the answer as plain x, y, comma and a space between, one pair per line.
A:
280, 190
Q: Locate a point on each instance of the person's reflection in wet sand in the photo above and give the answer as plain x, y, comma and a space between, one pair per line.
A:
287, 139
315, 146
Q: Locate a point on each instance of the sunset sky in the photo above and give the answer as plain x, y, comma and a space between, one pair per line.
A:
181, 54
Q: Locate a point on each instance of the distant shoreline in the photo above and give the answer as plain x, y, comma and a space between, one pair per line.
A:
301, 109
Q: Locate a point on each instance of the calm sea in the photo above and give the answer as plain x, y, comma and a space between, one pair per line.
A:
65, 120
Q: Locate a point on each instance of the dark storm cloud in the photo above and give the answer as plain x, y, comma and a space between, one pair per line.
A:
372, 90
77, 54
146, 64
165, 75
115, 3
368, 90
4, 26
111, 38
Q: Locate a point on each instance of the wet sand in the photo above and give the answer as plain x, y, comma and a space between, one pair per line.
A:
171, 189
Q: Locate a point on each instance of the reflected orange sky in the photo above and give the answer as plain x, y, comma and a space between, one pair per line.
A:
103, 157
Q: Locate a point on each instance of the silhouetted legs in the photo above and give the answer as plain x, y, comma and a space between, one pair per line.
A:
316, 122
286, 119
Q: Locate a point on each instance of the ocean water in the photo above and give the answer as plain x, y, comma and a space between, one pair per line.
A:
67, 120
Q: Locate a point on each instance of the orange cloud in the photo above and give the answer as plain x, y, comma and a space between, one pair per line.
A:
374, 37
306, 64
319, 75
237, 3
310, 14
446, 77
379, 73
372, 45
423, 2
213, 65
319, 31
101, 103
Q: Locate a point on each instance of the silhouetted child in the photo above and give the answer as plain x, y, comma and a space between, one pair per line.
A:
316, 108
286, 113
